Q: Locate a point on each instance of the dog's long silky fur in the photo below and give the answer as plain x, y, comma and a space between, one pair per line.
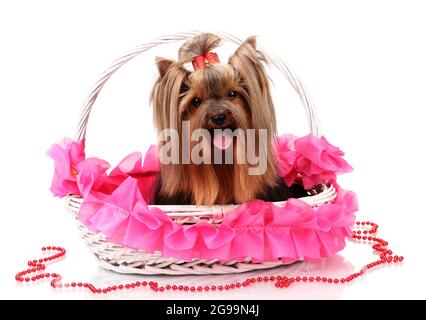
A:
207, 184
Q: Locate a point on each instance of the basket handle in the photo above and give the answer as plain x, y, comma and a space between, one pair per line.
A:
119, 62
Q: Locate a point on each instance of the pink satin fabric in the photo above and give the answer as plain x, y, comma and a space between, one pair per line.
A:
116, 205
314, 160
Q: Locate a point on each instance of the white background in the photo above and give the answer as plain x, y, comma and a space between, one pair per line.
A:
362, 61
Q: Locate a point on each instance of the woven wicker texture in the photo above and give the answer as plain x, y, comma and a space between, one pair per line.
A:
124, 260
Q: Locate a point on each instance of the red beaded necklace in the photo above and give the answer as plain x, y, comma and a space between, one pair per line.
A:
364, 232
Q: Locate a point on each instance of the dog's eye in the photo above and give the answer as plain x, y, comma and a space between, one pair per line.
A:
232, 94
196, 102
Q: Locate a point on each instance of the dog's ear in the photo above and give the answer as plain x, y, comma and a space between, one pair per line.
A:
165, 95
163, 65
251, 41
248, 62
248, 49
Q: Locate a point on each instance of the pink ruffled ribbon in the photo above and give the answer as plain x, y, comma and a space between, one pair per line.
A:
257, 229
74, 174
314, 160
116, 205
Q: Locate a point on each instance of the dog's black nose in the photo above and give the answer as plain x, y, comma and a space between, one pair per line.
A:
219, 118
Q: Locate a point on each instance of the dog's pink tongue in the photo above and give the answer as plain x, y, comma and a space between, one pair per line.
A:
222, 140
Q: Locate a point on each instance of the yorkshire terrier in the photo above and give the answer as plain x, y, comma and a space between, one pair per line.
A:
233, 95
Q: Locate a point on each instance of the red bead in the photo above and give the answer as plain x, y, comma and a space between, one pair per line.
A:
379, 246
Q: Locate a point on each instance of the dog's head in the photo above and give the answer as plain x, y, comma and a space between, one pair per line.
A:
232, 95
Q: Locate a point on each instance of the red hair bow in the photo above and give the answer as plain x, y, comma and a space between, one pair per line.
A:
201, 61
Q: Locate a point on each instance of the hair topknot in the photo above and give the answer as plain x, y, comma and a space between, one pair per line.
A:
198, 45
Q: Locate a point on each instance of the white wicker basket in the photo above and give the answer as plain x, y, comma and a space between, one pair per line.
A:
124, 260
